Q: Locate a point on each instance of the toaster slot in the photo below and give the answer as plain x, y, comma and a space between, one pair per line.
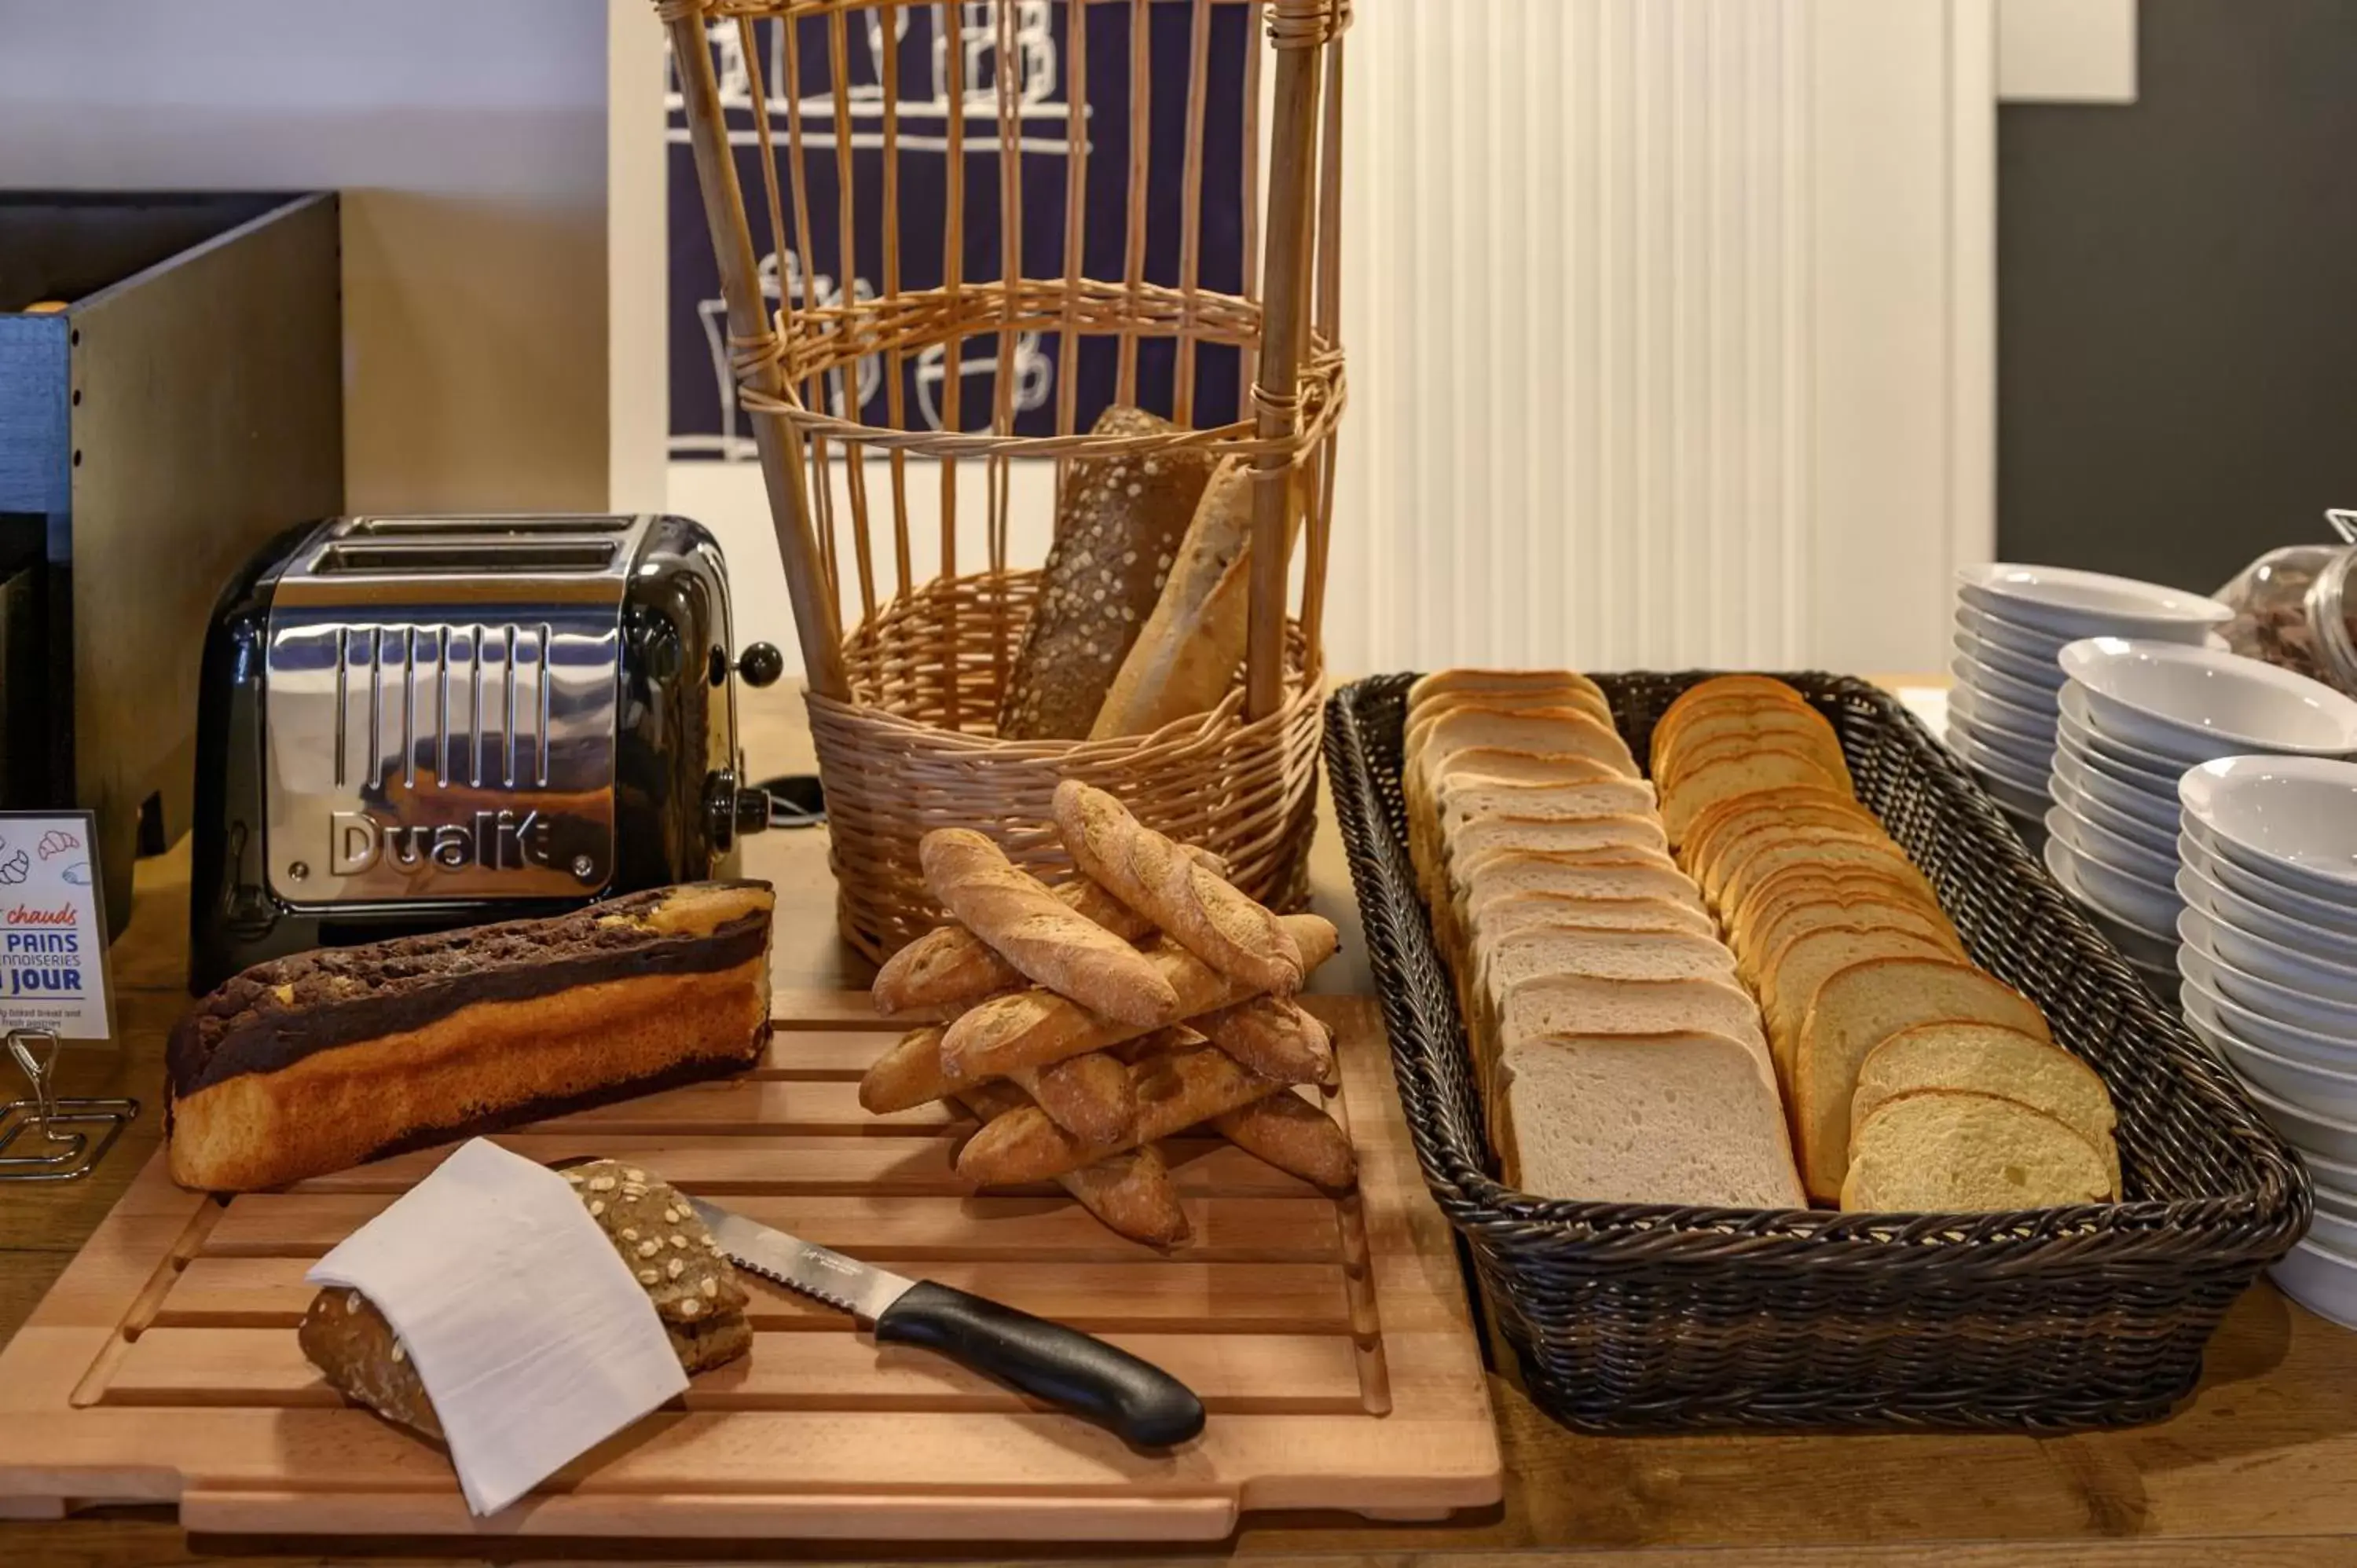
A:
489, 527
474, 556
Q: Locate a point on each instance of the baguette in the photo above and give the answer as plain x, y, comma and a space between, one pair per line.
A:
1089, 1095
1040, 934
1174, 1092
950, 967
1296, 1137
1148, 872
1028, 1028
1130, 1191
1273, 1037
1186, 656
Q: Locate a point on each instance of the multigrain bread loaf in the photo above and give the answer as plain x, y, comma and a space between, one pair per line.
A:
696, 1294
1118, 532
321, 1061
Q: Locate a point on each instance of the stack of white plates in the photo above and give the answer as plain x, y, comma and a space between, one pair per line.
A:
2270, 964
2012, 624
2134, 717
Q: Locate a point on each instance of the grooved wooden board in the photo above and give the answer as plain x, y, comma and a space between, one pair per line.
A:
1329, 1340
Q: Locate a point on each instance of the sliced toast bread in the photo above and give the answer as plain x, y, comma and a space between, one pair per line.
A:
1857, 1008
1984, 1058
1947, 1151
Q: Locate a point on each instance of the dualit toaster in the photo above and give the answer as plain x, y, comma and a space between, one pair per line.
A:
406, 724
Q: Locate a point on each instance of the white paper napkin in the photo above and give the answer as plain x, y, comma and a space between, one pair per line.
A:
531, 1336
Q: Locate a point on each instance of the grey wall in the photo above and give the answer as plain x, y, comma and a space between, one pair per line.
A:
2176, 287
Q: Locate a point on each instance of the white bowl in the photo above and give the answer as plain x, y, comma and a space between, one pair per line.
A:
2315, 1015
2131, 798
2316, 1089
2320, 1280
2340, 1201
2295, 817
2323, 979
2197, 847
2088, 604
2026, 726
1992, 628
2105, 847
2197, 704
2043, 673
2204, 892
2130, 900
2093, 809
2075, 715
2303, 1129
1994, 683
2331, 1232
2223, 1015
2154, 953
1972, 744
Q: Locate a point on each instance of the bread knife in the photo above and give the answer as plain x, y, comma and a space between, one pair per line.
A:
1136, 1400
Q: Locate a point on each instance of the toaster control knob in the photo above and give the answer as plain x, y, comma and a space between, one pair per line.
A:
752, 812
760, 664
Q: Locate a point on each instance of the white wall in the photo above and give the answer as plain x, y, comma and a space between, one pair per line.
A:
470, 138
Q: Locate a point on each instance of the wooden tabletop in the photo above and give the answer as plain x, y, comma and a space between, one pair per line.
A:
2260, 1466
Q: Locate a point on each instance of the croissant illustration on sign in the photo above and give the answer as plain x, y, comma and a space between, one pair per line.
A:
786, 84
15, 866
55, 843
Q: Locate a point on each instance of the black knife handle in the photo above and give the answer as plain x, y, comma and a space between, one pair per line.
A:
1136, 1400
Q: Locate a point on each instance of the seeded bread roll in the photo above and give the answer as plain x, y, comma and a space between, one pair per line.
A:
1118, 534
693, 1286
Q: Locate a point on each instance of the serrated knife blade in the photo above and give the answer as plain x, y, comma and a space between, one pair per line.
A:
1063, 1367
845, 1284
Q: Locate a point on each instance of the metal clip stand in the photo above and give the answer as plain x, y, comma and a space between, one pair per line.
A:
71, 1154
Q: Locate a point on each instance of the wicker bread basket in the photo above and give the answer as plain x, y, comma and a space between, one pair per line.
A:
1647, 1317
902, 707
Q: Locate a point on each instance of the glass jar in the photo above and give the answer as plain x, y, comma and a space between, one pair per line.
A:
2292, 606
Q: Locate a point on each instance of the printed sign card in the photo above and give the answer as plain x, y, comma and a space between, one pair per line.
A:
52, 927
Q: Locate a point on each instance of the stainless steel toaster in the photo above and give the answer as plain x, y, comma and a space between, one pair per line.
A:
406, 724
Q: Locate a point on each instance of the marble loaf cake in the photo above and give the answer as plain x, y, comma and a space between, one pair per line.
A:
321, 1061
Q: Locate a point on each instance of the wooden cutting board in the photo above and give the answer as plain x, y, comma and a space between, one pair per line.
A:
1329, 1340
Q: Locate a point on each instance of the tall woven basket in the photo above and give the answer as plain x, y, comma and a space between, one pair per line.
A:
903, 707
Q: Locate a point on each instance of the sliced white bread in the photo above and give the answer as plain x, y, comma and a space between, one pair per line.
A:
1549, 731
1540, 833
1520, 911
1767, 767
1588, 1004
1669, 1118
1503, 876
1466, 869
1492, 765
1586, 701
1986, 1060
1946, 1150
1425, 688
1462, 798
1534, 952
1857, 1008
1789, 985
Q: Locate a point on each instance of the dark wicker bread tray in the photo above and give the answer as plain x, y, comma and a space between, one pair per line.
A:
1652, 1318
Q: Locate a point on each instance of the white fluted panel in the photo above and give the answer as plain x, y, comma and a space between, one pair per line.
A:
1588, 265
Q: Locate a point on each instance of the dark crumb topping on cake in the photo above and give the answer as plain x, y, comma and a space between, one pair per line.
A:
287, 1007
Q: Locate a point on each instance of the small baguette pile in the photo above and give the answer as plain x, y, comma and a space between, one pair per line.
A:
1618, 1058
1915, 1080
1083, 1024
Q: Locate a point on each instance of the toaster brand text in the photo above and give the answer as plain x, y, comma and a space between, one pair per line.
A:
492, 841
